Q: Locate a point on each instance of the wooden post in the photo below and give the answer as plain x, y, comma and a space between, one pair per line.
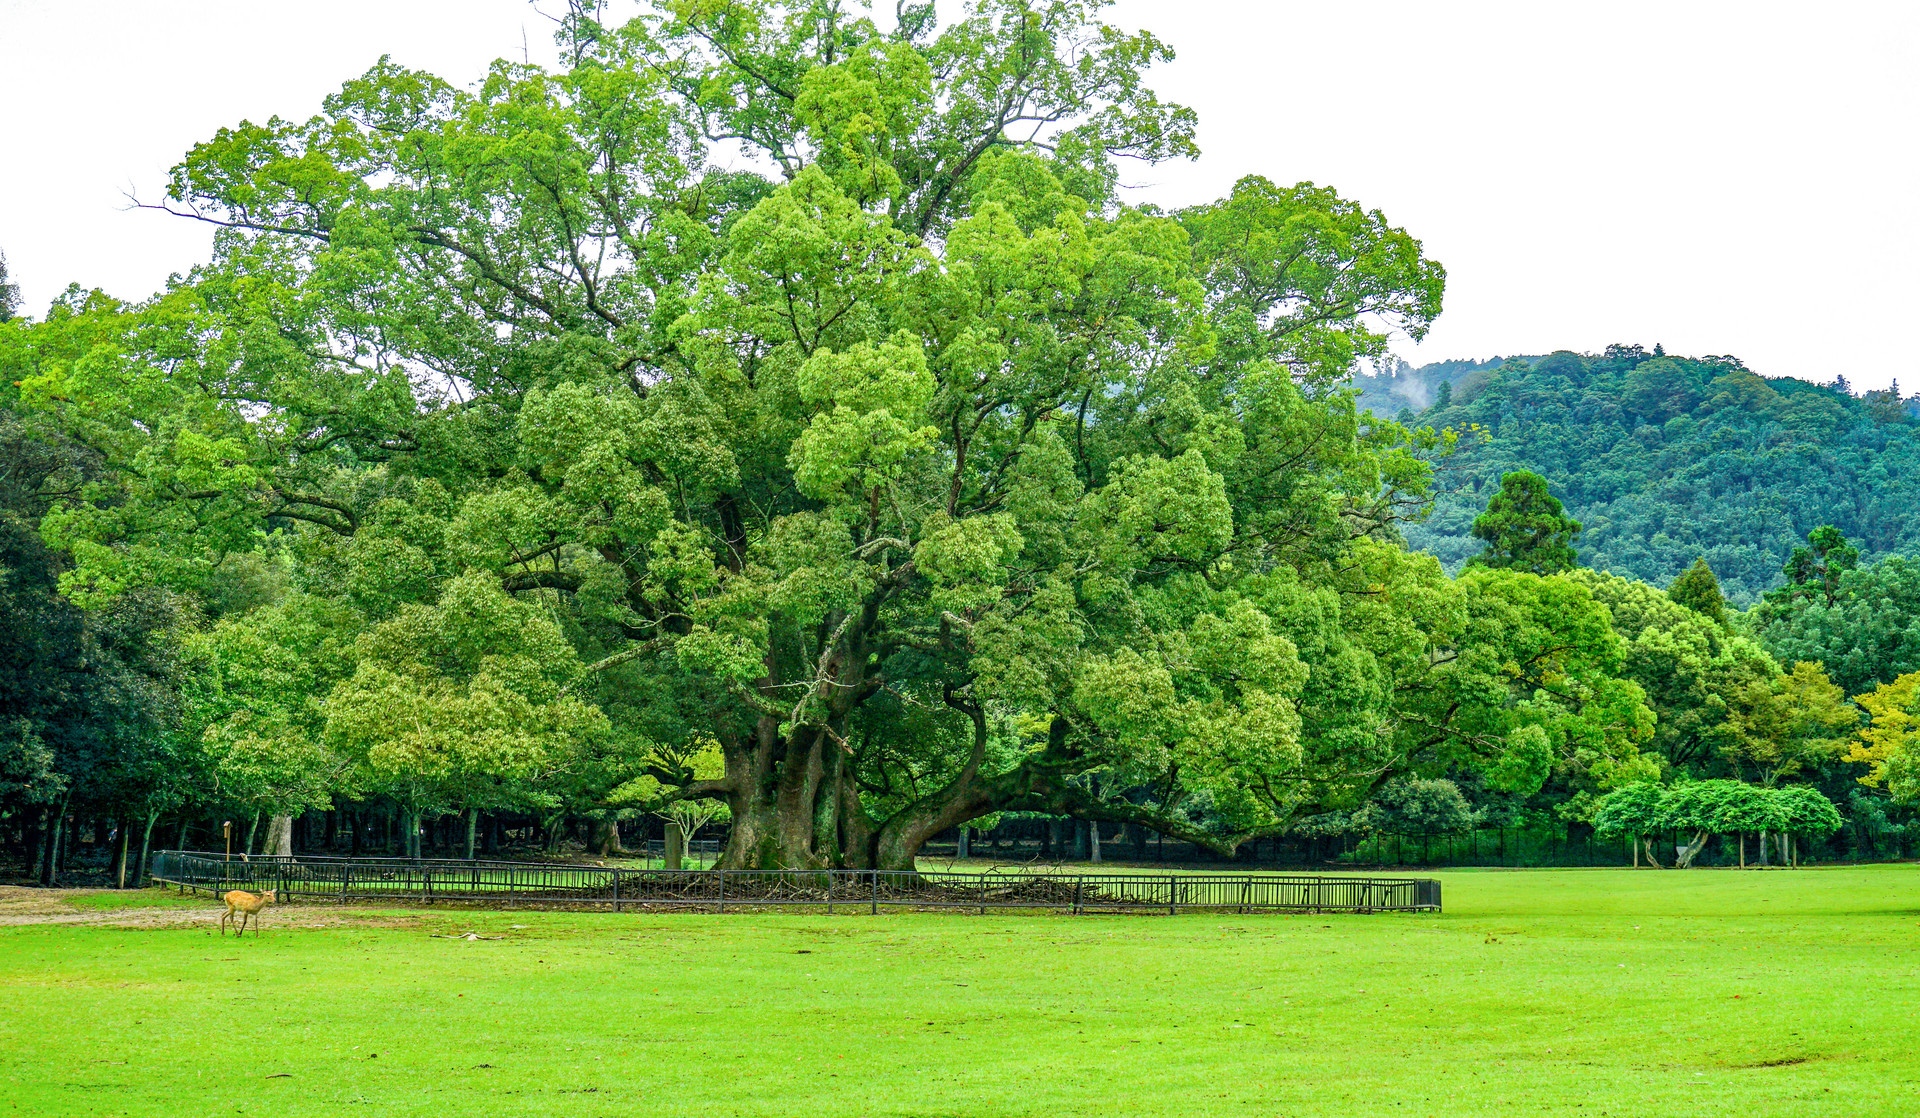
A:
675, 846
876, 892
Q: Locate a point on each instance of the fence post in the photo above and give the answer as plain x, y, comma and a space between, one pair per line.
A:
426, 883
876, 891
616, 890
723, 888
1173, 895
1076, 896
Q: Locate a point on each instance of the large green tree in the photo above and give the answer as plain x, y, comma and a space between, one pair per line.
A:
921, 475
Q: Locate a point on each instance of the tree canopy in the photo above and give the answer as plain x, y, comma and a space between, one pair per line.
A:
569, 433
1525, 528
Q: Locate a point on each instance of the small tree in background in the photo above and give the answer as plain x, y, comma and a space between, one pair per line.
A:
1890, 741
1636, 812
1804, 811
1696, 806
1699, 591
1814, 571
1525, 528
1788, 721
1739, 808
1416, 807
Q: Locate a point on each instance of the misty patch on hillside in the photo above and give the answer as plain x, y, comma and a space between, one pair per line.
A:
1399, 386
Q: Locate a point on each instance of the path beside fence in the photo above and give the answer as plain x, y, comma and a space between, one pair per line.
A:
432, 881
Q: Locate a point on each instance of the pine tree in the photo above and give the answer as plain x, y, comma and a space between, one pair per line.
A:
1699, 591
1814, 572
1525, 528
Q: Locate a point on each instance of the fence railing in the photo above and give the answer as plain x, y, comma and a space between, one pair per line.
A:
516, 883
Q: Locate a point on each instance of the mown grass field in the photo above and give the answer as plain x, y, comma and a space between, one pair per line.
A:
1593, 992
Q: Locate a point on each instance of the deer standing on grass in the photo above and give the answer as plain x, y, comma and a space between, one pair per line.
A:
247, 905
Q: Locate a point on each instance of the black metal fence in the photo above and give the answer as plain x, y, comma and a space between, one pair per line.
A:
517, 883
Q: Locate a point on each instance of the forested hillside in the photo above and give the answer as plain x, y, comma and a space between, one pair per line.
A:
1668, 459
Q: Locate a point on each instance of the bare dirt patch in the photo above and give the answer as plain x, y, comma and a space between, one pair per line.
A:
20, 905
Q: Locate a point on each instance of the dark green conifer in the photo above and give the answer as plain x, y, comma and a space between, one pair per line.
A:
1699, 591
1525, 528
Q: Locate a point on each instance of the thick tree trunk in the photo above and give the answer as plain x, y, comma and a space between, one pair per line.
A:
279, 837
1691, 851
34, 834
1093, 841
146, 847
1762, 849
125, 827
963, 845
795, 804
1646, 841
49, 846
606, 837
56, 833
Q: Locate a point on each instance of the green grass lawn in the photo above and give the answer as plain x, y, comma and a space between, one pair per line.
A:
1588, 992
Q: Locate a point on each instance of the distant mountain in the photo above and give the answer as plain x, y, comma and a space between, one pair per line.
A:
1667, 459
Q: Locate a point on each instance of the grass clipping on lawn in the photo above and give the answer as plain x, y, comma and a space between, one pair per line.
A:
1545, 992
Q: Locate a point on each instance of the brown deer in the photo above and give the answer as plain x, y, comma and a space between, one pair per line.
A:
247, 905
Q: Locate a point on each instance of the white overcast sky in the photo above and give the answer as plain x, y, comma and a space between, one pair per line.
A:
1731, 177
